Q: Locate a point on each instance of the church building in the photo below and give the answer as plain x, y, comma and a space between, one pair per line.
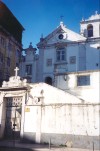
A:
68, 60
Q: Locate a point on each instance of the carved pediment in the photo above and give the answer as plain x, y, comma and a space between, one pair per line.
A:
15, 81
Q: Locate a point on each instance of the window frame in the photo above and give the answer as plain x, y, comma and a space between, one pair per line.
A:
83, 80
72, 59
8, 61
49, 62
1, 57
3, 42
61, 55
28, 69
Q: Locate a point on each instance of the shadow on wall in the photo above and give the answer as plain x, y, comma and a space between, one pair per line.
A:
3, 148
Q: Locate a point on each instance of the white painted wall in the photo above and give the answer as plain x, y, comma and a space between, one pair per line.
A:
89, 93
62, 114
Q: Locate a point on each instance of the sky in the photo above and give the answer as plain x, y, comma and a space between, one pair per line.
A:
41, 17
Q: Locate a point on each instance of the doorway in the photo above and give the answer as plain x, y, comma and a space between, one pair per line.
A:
48, 80
13, 117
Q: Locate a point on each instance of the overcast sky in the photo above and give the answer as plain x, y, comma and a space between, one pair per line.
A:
43, 16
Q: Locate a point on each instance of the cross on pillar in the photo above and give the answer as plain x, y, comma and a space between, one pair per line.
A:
61, 17
16, 71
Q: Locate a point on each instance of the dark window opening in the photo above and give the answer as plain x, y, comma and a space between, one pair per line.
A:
8, 61
28, 69
90, 30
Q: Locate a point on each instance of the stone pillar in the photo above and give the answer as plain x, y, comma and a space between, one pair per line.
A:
22, 117
2, 114
38, 124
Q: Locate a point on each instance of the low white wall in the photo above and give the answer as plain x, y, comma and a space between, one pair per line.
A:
67, 121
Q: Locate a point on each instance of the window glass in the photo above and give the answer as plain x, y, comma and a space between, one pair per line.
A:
49, 62
60, 54
83, 80
72, 60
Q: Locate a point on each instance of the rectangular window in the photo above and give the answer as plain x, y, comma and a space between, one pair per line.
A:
72, 60
3, 42
10, 47
1, 75
1, 57
8, 61
60, 55
18, 53
28, 69
83, 80
49, 62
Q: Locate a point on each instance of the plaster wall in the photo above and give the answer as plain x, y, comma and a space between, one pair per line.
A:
92, 56
82, 91
63, 124
49, 54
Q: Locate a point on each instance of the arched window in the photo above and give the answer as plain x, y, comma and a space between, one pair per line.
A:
90, 30
48, 80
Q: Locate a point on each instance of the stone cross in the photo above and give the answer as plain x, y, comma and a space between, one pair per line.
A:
16, 71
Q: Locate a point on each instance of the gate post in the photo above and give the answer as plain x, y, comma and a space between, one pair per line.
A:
38, 129
22, 117
2, 114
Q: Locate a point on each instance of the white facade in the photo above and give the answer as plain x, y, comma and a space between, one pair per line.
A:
66, 54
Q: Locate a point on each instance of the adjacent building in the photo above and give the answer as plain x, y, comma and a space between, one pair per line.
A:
10, 42
28, 64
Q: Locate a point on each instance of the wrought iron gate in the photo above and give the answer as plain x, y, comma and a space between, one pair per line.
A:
13, 117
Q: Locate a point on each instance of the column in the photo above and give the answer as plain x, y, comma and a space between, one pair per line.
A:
38, 127
22, 117
2, 114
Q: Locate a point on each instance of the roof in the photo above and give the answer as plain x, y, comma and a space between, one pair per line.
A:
9, 22
55, 95
69, 36
95, 17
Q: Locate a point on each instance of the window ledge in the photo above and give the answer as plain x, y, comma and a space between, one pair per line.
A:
84, 86
60, 62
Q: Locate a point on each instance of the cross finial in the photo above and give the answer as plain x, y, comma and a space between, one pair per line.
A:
61, 17
16, 71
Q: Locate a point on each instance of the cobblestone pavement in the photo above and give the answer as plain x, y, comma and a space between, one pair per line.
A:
39, 147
